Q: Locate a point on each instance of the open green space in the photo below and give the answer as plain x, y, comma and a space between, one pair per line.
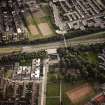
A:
91, 57
9, 50
52, 102
8, 74
26, 62
53, 89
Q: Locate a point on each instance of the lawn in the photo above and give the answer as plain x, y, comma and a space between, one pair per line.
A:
26, 62
91, 57
9, 50
8, 74
53, 89
52, 102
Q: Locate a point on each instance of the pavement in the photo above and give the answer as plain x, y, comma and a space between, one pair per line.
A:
44, 82
33, 48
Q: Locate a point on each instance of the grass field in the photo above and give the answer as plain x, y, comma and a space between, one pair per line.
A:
9, 50
52, 102
90, 57
53, 89
8, 74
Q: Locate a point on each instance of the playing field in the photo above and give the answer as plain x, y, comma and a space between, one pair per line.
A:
80, 93
33, 29
45, 29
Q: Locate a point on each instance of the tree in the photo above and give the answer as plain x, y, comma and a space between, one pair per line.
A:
79, 58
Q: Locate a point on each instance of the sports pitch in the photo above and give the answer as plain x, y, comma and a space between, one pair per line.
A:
79, 94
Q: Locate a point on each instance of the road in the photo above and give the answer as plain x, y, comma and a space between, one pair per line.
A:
70, 42
82, 40
34, 89
44, 82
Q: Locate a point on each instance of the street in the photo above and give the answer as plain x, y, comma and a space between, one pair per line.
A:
54, 45
44, 82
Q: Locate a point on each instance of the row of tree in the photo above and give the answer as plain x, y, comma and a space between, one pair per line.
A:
11, 59
54, 38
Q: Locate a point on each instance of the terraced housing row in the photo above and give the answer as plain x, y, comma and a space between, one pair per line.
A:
78, 14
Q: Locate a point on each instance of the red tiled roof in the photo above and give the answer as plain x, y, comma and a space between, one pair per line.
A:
100, 99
